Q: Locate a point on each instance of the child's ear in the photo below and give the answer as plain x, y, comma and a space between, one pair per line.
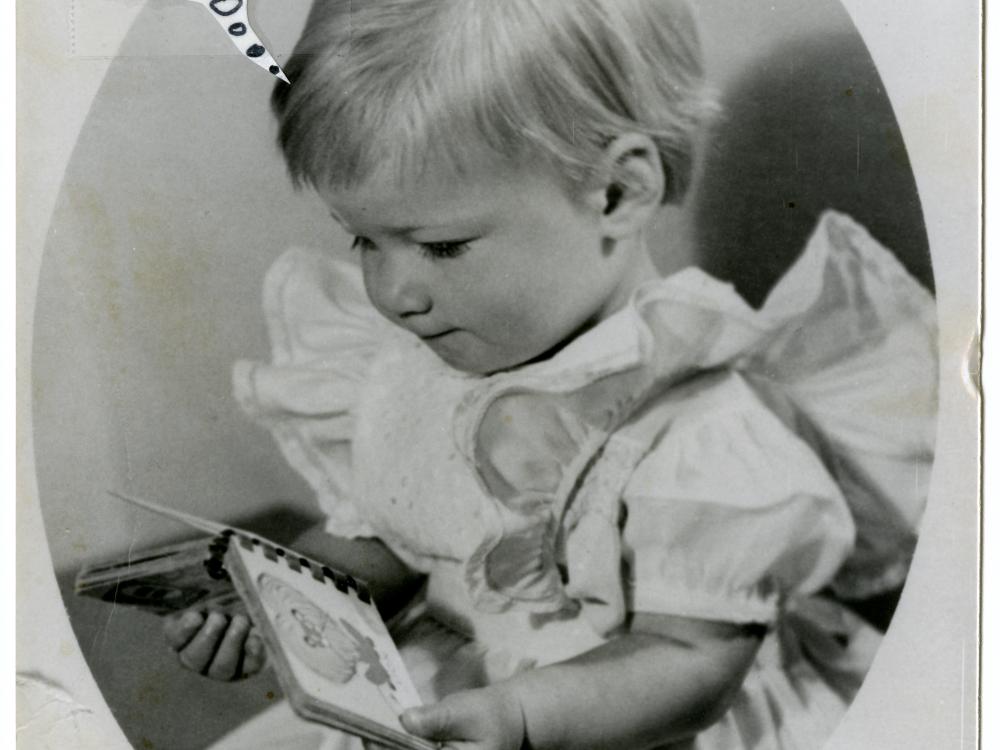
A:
628, 189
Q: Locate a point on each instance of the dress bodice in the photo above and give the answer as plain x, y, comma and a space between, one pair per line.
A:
689, 455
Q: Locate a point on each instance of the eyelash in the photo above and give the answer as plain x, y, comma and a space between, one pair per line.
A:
433, 250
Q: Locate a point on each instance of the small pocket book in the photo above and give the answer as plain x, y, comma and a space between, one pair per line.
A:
330, 648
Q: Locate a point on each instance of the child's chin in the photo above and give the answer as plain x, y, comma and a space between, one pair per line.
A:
468, 362
478, 368
465, 365
469, 354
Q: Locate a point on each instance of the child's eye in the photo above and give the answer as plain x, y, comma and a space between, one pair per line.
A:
433, 250
444, 249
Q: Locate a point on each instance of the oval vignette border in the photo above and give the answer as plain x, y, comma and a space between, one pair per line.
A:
940, 58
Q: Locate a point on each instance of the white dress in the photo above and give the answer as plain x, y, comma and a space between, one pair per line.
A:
688, 456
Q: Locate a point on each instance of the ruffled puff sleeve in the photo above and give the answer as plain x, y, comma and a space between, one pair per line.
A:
730, 514
324, 334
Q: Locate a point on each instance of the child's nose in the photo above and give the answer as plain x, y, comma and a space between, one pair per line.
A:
402, 289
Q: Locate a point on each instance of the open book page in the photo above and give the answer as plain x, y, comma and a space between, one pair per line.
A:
162, 580
332, 651
195, 522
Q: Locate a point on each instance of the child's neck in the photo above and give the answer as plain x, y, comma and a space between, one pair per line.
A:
640, 270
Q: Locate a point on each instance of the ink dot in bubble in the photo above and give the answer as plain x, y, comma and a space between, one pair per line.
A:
274, 69
238, 29
255, 50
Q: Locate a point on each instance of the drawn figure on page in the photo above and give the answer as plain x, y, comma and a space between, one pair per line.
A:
333, 649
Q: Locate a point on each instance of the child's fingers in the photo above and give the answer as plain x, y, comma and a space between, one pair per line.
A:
483, 718
179, 629
197, 654
226, 661
436, 722
254, 655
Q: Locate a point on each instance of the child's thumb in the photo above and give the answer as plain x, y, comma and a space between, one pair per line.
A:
435, 722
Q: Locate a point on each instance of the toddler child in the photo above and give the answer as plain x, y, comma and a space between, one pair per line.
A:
634, 504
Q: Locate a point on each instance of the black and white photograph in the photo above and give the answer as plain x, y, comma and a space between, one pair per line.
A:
615, 363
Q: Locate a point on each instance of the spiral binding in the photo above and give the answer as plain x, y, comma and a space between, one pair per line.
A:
215, 564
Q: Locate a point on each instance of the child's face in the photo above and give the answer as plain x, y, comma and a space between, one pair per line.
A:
492, 268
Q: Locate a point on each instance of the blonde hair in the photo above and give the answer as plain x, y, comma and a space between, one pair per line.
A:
382, 86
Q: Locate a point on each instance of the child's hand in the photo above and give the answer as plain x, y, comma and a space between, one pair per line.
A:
215, 645
485, 719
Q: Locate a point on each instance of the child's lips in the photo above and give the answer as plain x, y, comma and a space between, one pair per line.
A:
439, 335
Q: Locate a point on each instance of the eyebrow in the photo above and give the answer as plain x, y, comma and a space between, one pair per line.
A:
409, 231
